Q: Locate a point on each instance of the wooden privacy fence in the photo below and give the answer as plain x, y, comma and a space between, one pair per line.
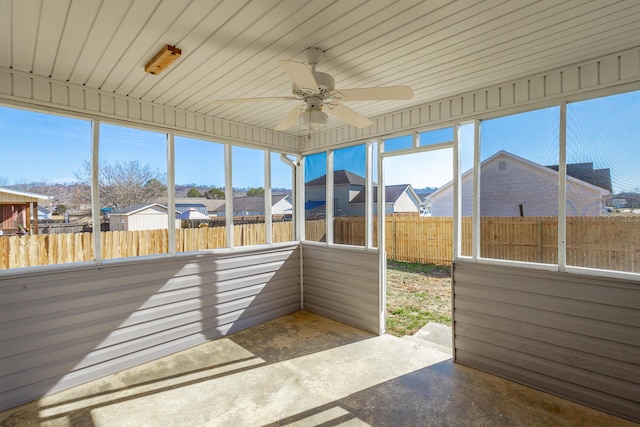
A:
46, 249
597, 242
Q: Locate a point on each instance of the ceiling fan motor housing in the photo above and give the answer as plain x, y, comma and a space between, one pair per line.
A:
325, 82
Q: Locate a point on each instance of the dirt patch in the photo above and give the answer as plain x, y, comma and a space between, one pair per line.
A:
416, 295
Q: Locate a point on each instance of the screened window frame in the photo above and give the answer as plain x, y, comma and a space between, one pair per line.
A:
170, 134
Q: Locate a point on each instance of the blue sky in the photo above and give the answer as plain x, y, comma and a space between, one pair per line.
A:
53, 149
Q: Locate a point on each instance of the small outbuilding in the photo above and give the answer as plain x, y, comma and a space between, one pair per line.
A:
144, 216
17, 209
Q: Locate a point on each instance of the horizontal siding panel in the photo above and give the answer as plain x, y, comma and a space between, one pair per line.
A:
342, 284
175, 291
126, 341
582, 343
571, 335
19, 300
578, 325
548, 384
118, 316
330, 295
556, 353
570, 286
568, 306
561, 371
99, 323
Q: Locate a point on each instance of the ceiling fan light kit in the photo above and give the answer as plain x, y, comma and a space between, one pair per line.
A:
317, 90
314, 118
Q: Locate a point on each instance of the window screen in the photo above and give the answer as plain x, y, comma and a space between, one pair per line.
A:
519, 187
603, 183
45, 189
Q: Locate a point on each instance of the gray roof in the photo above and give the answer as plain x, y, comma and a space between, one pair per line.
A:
131, 209
199, 207
339, 177
252, 204
585, 172
391, 193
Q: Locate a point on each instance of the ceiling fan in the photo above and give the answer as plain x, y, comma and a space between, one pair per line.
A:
320, 96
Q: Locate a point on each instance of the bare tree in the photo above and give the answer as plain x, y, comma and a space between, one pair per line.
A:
127, 183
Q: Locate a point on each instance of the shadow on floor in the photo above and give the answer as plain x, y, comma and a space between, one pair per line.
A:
307, 370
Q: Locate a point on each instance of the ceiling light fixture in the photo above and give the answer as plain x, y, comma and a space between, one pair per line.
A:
167, 55
313, 118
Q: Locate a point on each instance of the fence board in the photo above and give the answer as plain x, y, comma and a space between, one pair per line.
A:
597, 242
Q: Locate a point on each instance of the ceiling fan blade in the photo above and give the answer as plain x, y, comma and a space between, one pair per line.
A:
289, 120
348, 115
300, 74
373, 93
265, 99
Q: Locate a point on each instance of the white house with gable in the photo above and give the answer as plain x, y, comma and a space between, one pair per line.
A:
513, 186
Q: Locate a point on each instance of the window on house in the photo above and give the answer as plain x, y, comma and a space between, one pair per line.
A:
282, 208
603, 183
200, 196
45, 189
349, 190
248, 196
519, 187
132, 178
437, 136
315, 196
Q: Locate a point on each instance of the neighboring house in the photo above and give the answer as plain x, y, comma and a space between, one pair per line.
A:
281, 204
198, 207
44, 213
211, 205
349, 196
145, 216
397, 199
619, 203
16, 210
347, 186
513, 186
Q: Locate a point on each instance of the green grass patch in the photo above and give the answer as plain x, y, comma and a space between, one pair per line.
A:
416, 295
414, 267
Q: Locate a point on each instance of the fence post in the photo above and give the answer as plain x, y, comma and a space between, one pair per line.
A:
393, 231
539, 240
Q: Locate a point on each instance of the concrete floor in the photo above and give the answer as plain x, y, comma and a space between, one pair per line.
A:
304, 370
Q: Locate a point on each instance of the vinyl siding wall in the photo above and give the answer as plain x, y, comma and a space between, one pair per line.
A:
570, 335
65, 328
342, 284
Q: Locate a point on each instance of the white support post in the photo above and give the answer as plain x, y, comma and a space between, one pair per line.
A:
476, 218
299, 200
382, 259
228, 194
562, 190
457, 190
95, 190
267, 197
329, 205
171, 189
368, 197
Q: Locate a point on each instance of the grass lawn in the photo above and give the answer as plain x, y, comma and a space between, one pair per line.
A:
416, 295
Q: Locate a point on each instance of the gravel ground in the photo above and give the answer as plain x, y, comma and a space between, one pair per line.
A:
416, 295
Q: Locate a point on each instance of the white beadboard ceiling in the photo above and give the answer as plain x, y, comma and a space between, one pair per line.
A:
230, 48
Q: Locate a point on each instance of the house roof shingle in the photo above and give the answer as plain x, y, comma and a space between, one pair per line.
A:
585, 172
339, 177
391, 193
